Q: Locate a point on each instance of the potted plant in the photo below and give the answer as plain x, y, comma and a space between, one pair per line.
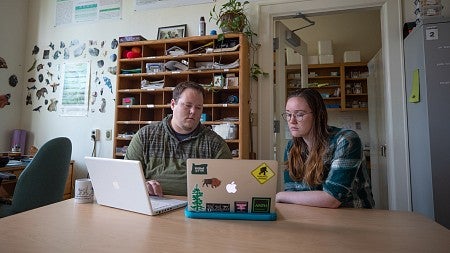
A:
231, 17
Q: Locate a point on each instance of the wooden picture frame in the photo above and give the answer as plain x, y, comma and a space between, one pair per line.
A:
170, 32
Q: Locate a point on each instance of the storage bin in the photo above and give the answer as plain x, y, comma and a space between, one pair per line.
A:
326, 59
352, 56
325, 47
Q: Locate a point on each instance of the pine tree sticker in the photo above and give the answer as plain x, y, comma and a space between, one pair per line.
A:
196, 199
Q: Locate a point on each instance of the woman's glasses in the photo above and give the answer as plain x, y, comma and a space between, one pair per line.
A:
298, 116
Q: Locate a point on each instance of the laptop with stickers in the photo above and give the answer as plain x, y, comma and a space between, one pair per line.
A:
231, 189
121, 184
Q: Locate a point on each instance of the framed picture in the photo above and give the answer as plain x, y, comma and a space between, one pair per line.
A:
170, 32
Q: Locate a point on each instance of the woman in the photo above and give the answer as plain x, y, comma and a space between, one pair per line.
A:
325, 164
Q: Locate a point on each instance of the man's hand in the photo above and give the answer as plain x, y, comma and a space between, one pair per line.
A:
154, 188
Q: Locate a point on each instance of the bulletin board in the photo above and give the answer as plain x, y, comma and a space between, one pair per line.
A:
154, 4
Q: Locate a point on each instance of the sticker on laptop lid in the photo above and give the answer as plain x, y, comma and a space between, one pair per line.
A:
217, 207
199, 169
260, 205
263, 173
213, 182
241, 207
197, 200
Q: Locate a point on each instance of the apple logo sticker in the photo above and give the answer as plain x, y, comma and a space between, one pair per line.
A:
231, 187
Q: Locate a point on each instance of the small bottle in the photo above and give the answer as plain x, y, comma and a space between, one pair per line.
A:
202, 27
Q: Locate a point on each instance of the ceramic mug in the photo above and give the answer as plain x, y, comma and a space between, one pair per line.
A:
84, 193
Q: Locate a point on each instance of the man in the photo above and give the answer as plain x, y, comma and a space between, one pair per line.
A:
163, 147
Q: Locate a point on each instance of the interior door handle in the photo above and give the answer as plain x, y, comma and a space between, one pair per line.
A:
383, 150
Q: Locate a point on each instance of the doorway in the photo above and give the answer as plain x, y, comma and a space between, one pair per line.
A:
347, 31
398, 178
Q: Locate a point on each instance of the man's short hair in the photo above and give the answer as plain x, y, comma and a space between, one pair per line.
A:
187, 85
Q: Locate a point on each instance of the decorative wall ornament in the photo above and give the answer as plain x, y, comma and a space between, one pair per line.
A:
3, 64
13, 80
44, 75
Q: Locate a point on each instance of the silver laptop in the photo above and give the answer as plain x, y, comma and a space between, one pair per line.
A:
231, 189
121, 184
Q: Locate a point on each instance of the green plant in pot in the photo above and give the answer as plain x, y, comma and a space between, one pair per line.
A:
231, 17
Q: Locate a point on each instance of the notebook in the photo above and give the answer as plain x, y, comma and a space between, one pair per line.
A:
231, 189
121, 184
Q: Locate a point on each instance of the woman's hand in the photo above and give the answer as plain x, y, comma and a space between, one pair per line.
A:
154, 188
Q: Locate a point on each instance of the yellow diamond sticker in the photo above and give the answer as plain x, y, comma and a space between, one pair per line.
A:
263, 173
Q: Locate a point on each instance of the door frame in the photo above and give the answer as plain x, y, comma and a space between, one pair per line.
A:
392, 47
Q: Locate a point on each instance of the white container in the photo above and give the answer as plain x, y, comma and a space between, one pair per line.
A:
84, 193
325, 47
202, 27
292, 57
227, 131
326, 59
313, 59
352, 56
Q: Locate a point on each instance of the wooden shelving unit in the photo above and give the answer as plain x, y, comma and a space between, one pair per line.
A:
342, 85
154, 104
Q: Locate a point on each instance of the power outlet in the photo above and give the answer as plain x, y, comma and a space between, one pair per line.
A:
95, 134
108, 135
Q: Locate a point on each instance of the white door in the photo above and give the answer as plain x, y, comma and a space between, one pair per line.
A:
301, 51
377, 125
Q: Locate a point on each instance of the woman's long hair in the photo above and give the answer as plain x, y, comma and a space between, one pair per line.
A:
306, 164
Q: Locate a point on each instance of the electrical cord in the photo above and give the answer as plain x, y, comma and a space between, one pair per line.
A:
94, 149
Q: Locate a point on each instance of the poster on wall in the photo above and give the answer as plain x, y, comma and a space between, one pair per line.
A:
154, 4
79, 11
75, 89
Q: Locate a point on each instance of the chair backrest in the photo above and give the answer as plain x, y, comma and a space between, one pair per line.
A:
43, 181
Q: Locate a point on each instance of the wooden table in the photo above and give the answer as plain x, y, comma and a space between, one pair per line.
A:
70, 227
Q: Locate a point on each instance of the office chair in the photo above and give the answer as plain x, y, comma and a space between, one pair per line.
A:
43, 181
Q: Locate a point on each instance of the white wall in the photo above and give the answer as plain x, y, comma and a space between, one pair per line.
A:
13, 23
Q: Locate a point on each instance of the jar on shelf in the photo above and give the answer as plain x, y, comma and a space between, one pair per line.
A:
357, 88
348, 88
355, 104
354, 74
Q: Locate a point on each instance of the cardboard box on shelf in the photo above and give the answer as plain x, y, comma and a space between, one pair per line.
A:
325, 47
352, 56
313, 59
292, 57
326, 59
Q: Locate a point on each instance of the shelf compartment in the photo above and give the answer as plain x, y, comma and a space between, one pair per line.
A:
129, 82
155, 97
174, 78
226, 96
203, 78
153, 50
221, 113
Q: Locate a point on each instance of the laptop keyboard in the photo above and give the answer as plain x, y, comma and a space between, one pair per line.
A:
161, 202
